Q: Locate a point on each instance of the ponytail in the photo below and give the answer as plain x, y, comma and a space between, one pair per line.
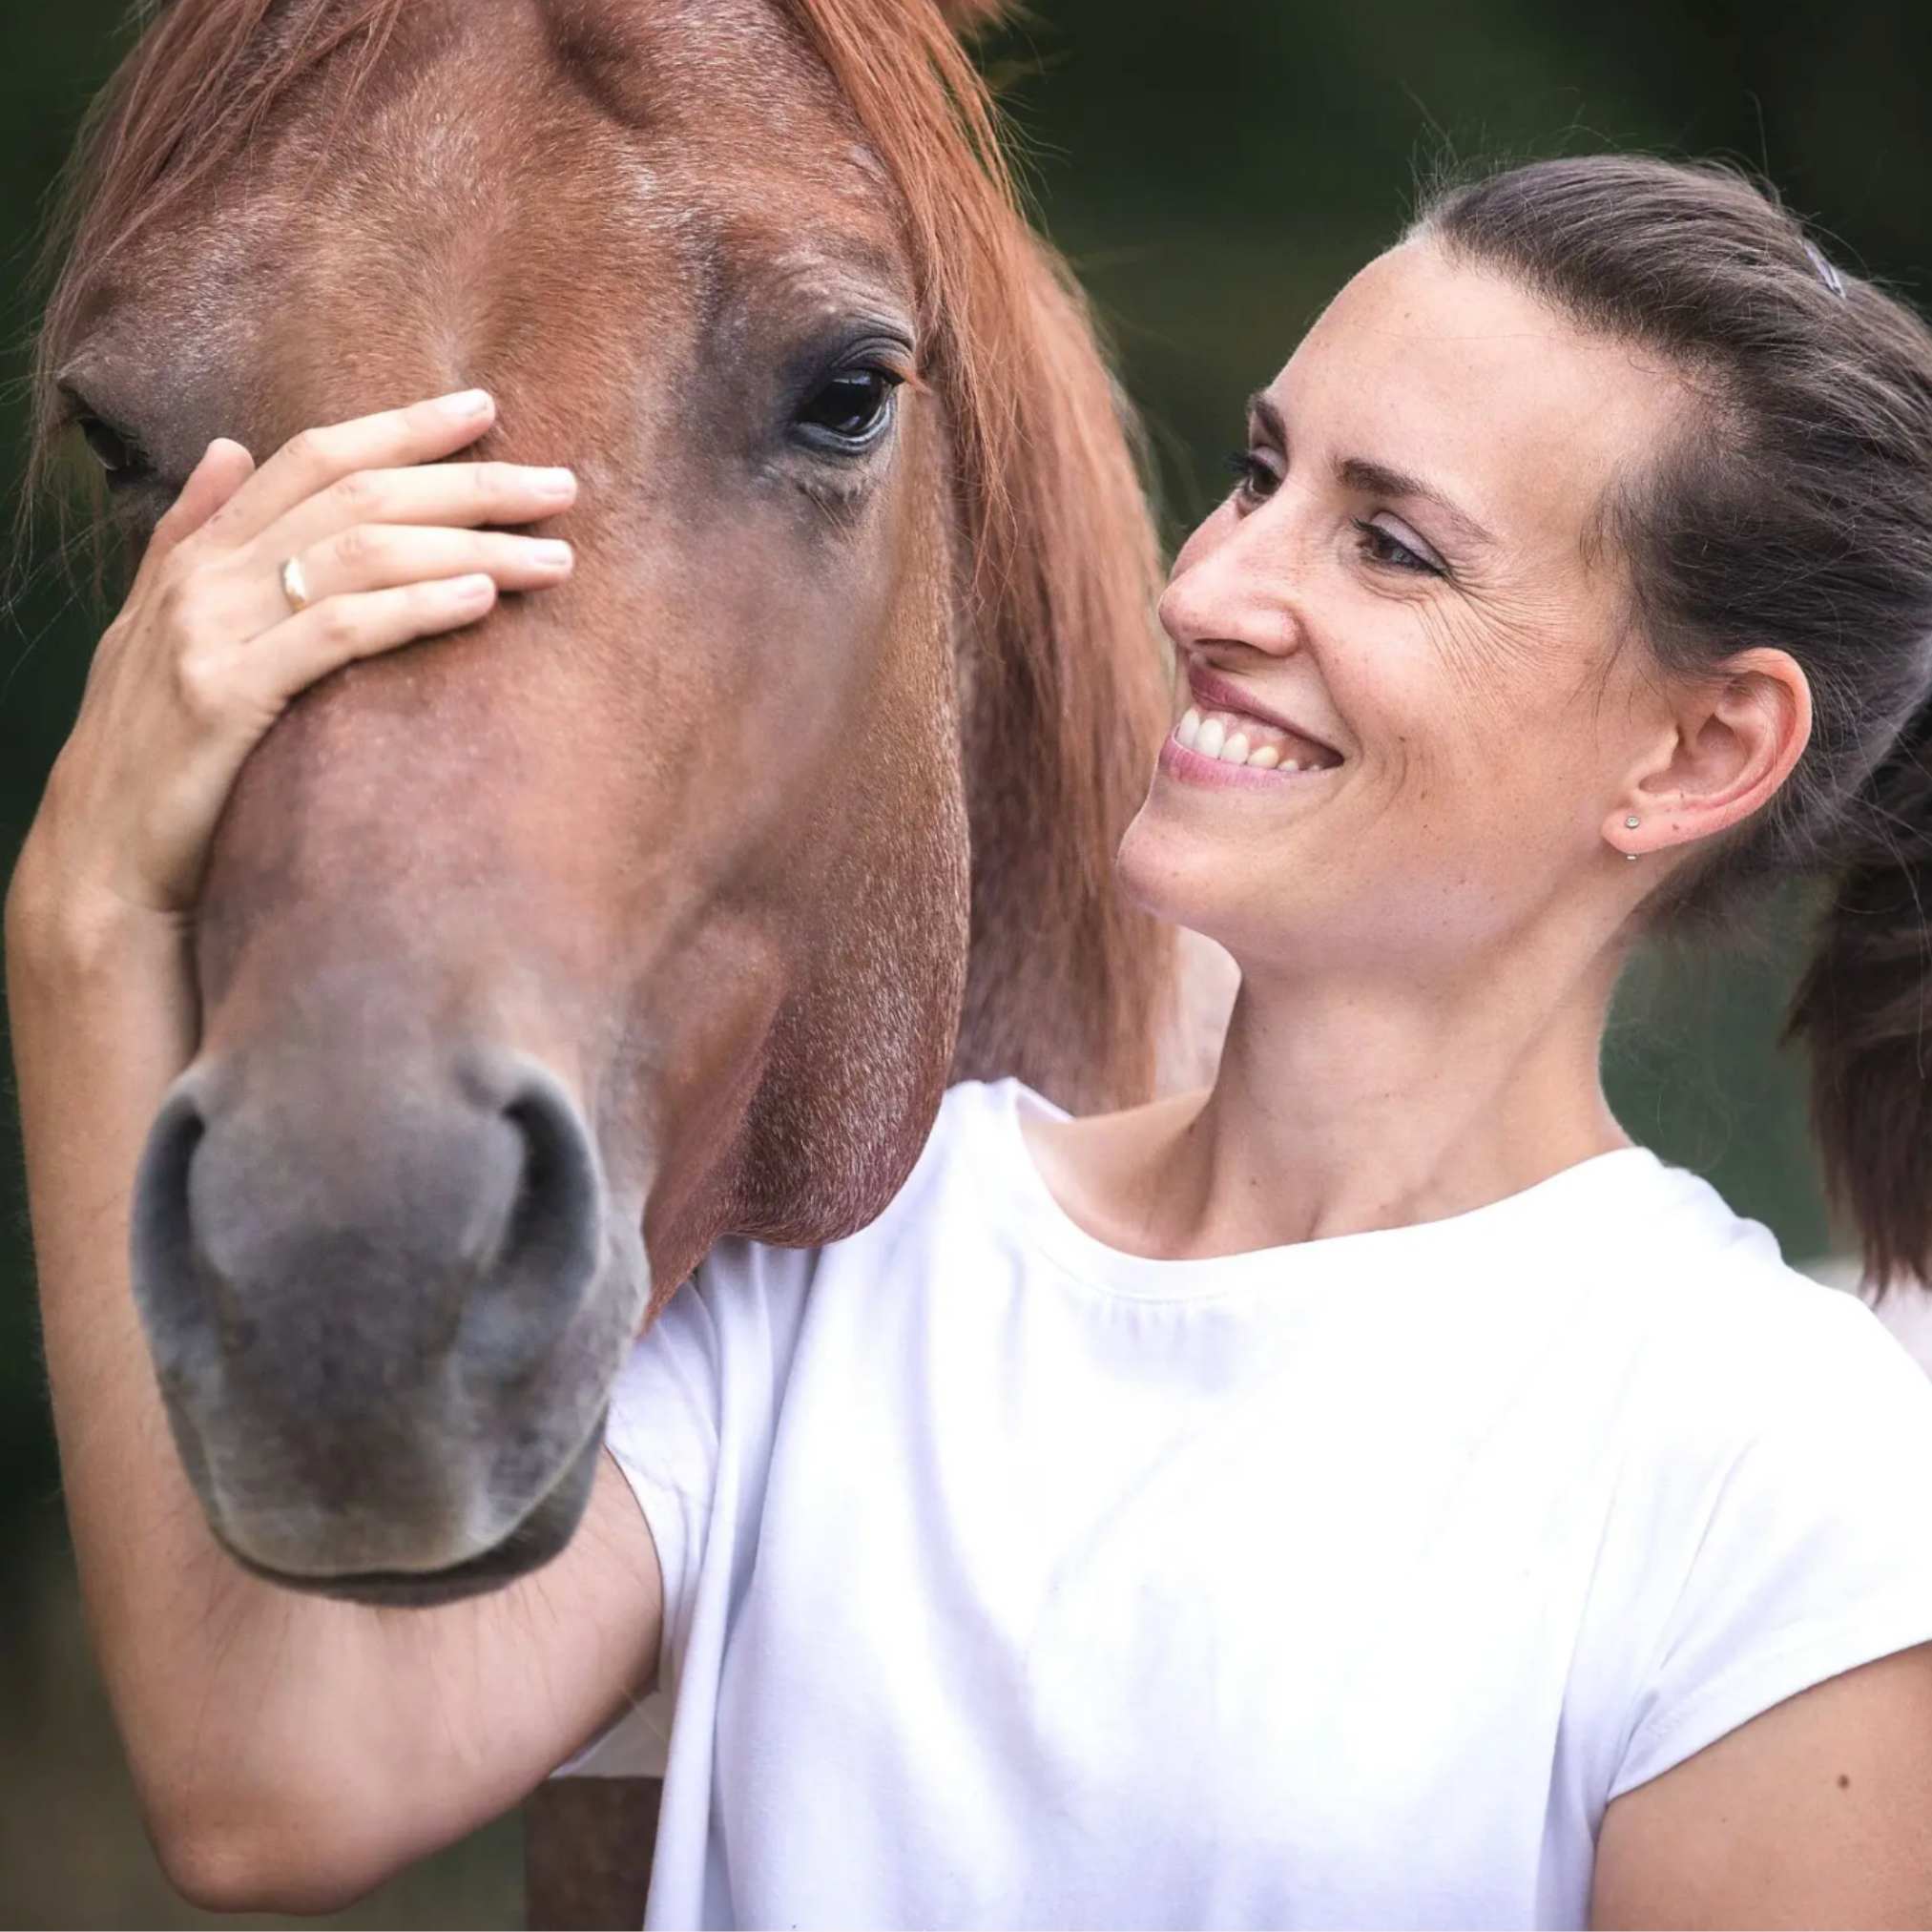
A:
1864, 1011
1793, 513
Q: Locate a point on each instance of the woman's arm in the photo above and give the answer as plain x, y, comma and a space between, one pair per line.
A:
290, 1751
1815, 1812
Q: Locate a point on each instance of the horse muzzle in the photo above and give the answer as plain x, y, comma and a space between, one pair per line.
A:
385, 1301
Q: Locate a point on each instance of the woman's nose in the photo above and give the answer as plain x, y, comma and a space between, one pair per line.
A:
1232, 587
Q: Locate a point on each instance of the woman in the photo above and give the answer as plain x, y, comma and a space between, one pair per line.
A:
1372, 1492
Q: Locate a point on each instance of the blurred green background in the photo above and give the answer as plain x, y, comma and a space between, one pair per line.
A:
1215, 168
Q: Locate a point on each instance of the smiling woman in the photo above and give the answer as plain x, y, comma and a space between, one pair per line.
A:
1467, 1511
1372, 1490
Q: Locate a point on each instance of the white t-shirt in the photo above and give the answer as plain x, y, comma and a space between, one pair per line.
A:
1014, 1580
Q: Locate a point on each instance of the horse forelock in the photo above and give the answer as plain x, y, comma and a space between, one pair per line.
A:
1063, 676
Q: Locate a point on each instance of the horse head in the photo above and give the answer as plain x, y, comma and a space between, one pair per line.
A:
661, 906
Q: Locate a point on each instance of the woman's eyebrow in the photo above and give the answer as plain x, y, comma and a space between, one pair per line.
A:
1377, 479
1260, 409
1363, 473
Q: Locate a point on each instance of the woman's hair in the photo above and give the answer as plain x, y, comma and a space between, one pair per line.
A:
1793, 507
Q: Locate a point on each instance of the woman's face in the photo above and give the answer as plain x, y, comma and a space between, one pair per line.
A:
1409, 573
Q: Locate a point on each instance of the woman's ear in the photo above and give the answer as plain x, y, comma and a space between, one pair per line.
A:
1731, 743
967, 17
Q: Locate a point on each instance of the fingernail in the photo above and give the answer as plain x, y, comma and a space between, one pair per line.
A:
552, 557
467, 403
473, 589
553, 482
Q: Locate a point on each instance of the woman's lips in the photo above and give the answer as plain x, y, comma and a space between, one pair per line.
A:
1180, 759
1241, 738
1214, 693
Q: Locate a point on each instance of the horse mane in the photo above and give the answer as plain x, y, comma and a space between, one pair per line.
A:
1063, 680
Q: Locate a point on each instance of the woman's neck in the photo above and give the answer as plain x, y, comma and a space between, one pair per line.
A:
1344, 1107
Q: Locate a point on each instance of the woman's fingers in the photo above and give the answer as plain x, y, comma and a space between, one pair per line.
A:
340, 630
458, 495
207, 652
385, 556
225, 466
316, 459
380, 557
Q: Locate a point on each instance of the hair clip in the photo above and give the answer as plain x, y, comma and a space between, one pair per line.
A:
1826, 273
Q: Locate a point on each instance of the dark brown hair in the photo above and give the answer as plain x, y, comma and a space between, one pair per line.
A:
1794, 511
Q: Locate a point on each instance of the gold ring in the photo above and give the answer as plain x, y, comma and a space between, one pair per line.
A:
295, 586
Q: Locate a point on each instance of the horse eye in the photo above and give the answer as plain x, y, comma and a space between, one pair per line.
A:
115, 453
850, 410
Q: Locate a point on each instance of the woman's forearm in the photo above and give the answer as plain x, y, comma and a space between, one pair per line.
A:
247, 1711
290, 1750
102, 1020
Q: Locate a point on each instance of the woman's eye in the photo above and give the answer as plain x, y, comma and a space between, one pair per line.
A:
116, 454
1383, 546
1257, 481
850, 411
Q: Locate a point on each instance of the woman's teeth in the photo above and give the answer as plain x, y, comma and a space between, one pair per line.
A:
1242, 741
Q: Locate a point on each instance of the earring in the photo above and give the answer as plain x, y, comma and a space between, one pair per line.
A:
1633, 823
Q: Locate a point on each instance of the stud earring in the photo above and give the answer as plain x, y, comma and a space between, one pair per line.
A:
1633, 823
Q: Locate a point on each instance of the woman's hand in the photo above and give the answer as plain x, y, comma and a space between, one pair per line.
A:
208, 650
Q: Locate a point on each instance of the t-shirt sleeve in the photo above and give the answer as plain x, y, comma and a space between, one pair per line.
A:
690, 1425
1816, 1553
666, 1414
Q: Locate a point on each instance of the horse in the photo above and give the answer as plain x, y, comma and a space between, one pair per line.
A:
663, 906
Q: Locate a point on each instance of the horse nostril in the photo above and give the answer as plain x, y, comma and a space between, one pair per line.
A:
428, 1220
551, 1237
364, 1282
553, 1224
171, 1289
